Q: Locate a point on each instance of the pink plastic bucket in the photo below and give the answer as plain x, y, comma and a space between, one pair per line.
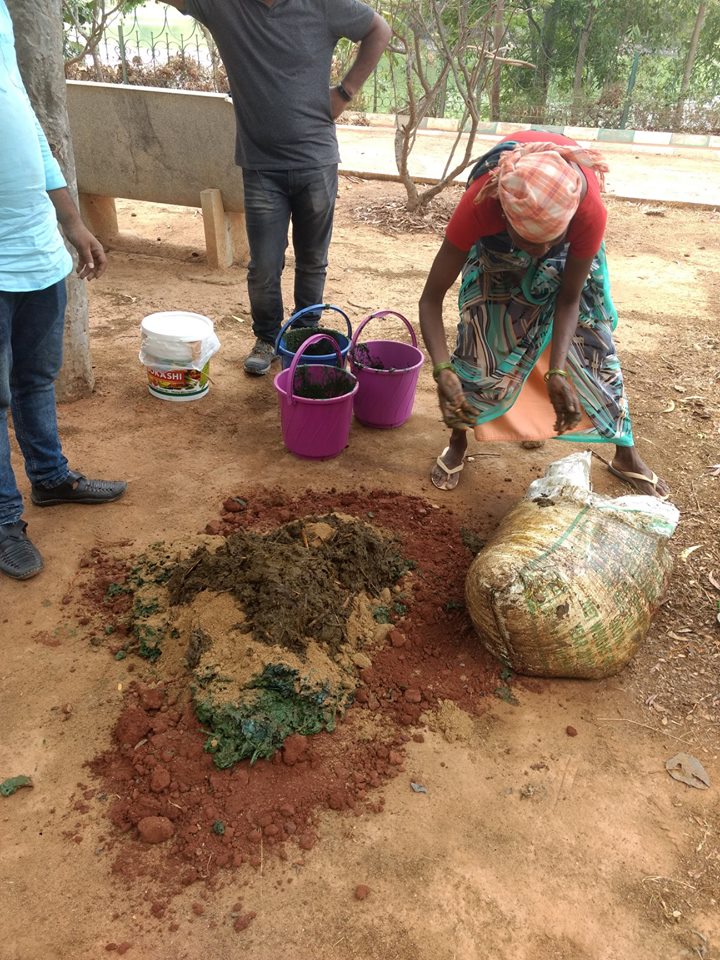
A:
316, 428
387, 372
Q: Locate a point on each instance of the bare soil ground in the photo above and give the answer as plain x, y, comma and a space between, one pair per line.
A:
530, 844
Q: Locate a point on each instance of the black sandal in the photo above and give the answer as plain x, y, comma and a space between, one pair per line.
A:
19, 557
78, 489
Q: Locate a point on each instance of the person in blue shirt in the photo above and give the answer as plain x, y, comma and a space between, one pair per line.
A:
33, 265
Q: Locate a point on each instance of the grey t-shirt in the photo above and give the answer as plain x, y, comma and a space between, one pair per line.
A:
278, 61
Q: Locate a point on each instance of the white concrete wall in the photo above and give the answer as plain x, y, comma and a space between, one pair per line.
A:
144, 143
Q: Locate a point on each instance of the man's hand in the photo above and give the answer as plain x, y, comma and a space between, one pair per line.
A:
456, 411
369, 52
92, 261
566, 404
337, 103
91, 256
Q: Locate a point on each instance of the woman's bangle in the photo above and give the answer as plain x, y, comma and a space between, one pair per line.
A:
555, 373
439, 367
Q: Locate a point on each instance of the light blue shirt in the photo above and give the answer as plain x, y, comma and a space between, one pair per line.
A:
33, 255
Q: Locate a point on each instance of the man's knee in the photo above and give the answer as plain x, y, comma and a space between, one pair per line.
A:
312, 261
4, 393
265, 270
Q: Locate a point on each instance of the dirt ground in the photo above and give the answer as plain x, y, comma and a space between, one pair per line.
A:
530, 843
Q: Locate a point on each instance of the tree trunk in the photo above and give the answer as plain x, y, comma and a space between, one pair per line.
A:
546, 52
39, 41
690, 63
580, 61
498, 33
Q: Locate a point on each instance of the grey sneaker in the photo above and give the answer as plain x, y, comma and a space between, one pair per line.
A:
260, 358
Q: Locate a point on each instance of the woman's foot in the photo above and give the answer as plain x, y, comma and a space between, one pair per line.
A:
448, 467
631, 468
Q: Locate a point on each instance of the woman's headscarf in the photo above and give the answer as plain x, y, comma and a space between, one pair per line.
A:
538, 189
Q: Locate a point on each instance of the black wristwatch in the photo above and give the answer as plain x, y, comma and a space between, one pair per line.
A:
347, 97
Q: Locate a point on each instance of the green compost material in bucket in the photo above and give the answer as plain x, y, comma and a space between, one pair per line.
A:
295, 337
322, 383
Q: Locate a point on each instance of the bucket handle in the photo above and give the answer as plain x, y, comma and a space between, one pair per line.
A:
315, 338
317, 308
378, 316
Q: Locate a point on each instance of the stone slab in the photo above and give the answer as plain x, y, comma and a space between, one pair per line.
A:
145, 143
690, 139
581, 133
654, 137
503, 129
616, 136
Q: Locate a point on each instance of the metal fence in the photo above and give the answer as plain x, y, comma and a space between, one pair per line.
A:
134, 49
159, 47
173, 52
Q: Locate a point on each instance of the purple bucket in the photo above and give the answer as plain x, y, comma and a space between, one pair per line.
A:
387, 372
316, 428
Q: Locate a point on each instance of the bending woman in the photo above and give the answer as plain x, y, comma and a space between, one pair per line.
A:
536, 315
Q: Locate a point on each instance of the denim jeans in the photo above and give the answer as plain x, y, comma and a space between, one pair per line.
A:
274, 198
31, 340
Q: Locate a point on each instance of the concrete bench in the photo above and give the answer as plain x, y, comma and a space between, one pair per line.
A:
163, 146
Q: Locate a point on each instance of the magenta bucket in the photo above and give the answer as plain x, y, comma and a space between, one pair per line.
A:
387, 372
326, 359
316, 428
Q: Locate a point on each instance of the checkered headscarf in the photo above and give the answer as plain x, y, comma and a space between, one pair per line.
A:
538, 188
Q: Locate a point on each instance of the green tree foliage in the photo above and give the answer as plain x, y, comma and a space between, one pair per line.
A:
550, 32
86, 22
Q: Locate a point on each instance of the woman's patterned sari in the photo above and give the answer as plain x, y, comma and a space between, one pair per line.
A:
507, 304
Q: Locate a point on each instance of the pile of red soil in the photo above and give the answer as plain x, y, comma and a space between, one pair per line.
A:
168, 795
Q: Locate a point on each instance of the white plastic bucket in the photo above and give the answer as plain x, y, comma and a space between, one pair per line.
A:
176, 347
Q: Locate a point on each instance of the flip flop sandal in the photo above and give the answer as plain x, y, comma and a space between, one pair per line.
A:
628, 476
452, 473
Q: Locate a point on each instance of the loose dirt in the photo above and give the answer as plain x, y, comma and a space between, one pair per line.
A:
528, 842
160, 770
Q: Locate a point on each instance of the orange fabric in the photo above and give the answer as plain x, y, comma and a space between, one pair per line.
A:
531, 417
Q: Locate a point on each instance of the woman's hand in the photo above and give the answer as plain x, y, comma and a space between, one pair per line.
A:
456, 411
562, 394
566, 404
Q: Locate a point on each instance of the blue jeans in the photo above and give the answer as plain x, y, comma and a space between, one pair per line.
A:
274, 198
31, 340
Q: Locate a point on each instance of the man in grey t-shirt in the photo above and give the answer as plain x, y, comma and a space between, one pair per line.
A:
278, 56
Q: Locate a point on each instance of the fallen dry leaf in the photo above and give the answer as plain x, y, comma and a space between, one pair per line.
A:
688, 769
690, 550
670, 407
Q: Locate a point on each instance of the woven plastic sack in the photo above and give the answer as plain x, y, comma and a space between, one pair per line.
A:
568, 585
